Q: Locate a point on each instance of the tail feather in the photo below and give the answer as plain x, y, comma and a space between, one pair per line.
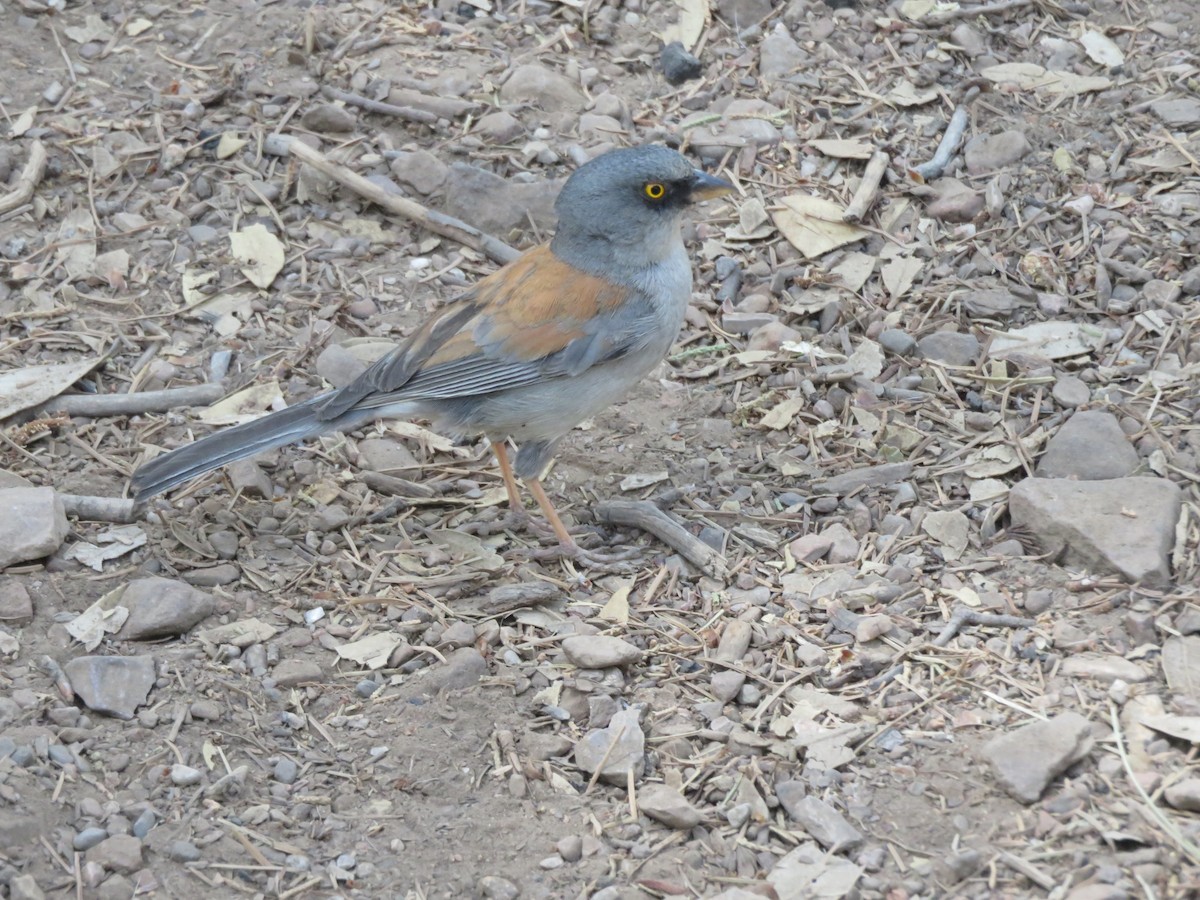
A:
229, 445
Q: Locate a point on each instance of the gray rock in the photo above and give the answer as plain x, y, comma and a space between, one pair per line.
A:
1103, 667
951, 347
115, 685
339, 366
159, 607
33, 524
989, 152
1124, 526
1026, 759
286, 771
493, 887
294, 672
250, 480
119, 853
16, 606
183, 851
542, 87
212, 576
88, 838
896, 341
1089, 446
491, 204
620, 748
827, 826
725, 685
994, 303
1184, 795
1070, 392
1183, 113
329, 118
866, 476
678, 65
464, 667
790, 794
385, 455
780, 55
25, 887
499, 127
744, 13
419, 170
954, 201
570, 848
596, 651
665, 804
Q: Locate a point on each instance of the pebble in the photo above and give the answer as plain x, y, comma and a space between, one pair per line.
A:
285, 771
620, 748
570, 848
162, 607
951, 347
329, 117
185, 776
493, 887
989, 152
33, 524
88, 838
543, 87
1070, 392
183, 851
896, 341
1026, 759
596, 651
25, 887
678, 65
119, 853
294, 672
666, 805
16, 606
116, 685
1090, 446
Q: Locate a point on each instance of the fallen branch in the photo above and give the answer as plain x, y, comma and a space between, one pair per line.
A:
407, 113
99, 509
31, 176
134, 404
949, 143
868, 188
649, 518
438, 223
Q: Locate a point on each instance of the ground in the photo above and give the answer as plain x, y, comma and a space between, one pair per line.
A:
895, 682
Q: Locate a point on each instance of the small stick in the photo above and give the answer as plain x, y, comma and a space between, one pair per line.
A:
31, 175
649, 518
378, 106
397, 487
99, 509
135, 404
438, 223
949, 143
967, 12
868, 188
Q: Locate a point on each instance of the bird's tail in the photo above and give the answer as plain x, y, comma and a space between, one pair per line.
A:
286, 426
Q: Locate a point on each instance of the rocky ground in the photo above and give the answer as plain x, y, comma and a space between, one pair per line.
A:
932, 430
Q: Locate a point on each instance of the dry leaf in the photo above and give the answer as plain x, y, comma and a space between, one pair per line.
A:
814, 226
229, 144
694, 17
843, 149
854, 270
93, 28
1053, 340
949, 528
1102, 50
906, 94
77, 233
1032, 77
105, 616
34, 385
244, 406
780, 416
899, 273
617, 607
260, 253
23, 122
372, 651
117, 541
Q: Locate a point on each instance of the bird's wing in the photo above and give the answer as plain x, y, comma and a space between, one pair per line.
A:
534, 320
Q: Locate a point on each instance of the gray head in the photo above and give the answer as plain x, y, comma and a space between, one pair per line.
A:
622, 209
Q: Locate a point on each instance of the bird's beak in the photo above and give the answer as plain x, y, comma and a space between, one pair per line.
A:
706, 187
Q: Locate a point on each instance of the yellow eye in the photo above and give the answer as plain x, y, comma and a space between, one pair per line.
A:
654, 190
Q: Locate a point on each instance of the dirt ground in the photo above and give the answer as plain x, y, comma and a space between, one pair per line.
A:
798, 729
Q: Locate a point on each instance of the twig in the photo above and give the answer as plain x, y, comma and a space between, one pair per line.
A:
378, 106
397, 487
967, 12
134, 404
649, 518
99, 509
1028, 869
949, 143
868, 188
31, 175
438, 223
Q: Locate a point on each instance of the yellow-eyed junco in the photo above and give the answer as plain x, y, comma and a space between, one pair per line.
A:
530, 351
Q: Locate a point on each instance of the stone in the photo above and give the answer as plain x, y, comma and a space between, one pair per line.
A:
250, 480
809, 548
808, 871
953, 348
896, 341
741, 14
993, 303
213, 576
779, 55
419, 170
1122, 526
726, 684
542, 87
1089, 446
678, 65
485, 200
339, 366
160, 607
1026, 759
120, 853
954, 201
33, 524
385, 455
499, 127
25, 887
616, 750
826, 825
329, 118
596, 651
16, 606
464, 667
1070, 392
1103, 667
114, 685
294, 672
990, 152
665, 804
1182, 113
1184, 795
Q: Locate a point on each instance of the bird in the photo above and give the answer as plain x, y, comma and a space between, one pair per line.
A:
562, 332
